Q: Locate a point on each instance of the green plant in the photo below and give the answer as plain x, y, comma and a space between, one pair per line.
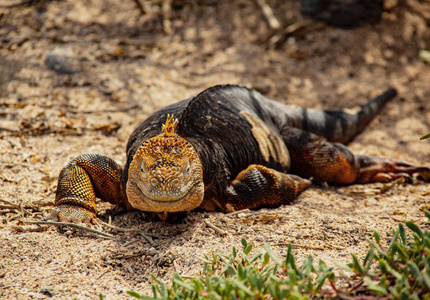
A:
425, 136
402, 271
238, 276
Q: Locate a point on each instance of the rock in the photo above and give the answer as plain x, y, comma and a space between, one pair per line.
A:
47, 290
62, 61
262, 87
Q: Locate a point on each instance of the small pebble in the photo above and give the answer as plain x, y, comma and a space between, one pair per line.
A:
152, 251
262, 87
47, 290
62, 61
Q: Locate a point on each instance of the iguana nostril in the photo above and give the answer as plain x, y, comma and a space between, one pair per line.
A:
175, 182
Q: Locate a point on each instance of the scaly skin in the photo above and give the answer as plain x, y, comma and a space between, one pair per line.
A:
166, 174
230, 148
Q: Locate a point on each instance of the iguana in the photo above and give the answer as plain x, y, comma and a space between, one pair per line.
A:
227, 149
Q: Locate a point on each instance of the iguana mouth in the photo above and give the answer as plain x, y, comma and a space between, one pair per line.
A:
187, 201
167, 196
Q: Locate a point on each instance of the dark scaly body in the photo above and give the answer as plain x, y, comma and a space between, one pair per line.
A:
217, 123
247, 143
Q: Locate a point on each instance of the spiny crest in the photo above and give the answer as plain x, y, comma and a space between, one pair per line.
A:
171, 148
169, 127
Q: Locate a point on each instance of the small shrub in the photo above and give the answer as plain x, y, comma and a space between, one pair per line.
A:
402, 271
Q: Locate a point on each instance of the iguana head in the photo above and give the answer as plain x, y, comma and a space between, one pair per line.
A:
165, 174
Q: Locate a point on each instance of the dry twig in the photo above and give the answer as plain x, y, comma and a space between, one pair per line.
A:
140, 7
110, 226
13, 206
126, 256
246, 210
105, 272
211, 225
77, 226
167, 10
148, 238
269, 15
175, 265
302, 246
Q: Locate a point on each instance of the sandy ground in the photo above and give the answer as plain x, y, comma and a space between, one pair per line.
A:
122, 66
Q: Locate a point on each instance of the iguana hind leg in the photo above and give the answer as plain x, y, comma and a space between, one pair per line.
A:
314, 157
258, 186
81, 181
376, 169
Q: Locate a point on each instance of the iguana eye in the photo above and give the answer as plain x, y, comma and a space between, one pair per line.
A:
187, 172
143, 171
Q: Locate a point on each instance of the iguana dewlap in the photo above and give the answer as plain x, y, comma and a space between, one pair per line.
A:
226, 149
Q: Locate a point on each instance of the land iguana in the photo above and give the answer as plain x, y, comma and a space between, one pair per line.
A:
227, 149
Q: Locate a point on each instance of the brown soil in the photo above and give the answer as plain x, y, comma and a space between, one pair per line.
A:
122, 66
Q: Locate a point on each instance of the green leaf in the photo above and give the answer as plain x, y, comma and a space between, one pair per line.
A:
244, 243
204, 260
241, 272
154, 290
183, 284
231, 270
414, 228
402, 233
247, 249
390, 270
356, 265
378, 289
426, 278
272, 255
397, 248
137, 295
243, 288
257, 256
322, 279
377, 237
395, 237
344, 267
266, 259
289, 259
414, 269
425, 136
369, 259
308, 265
224, 271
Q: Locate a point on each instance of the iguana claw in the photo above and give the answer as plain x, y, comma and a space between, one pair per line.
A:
73, 214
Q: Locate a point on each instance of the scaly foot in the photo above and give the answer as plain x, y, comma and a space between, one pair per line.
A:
375, 169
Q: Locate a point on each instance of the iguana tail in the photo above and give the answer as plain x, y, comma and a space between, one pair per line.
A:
343, 125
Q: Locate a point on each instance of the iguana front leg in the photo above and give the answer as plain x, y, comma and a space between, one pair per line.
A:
259, 186
81, 181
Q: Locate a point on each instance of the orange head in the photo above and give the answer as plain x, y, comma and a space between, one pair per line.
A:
165, 174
